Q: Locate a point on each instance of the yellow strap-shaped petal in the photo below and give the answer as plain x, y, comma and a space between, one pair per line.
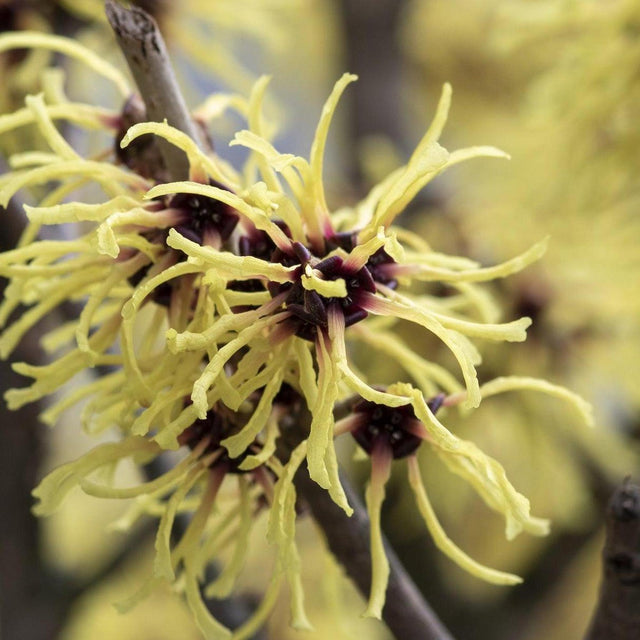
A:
66, 46
380, 471
443, 542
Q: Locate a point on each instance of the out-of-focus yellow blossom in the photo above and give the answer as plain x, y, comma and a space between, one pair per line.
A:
569, 125
260, 288
212, 37
565, 74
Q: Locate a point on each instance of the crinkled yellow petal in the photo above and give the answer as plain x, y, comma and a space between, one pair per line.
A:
370, 393
489, 273
435, 259
316, 157
279, 161
327, 288
290, 215
437, 124
199, 162
489, 480
108, 176
163, 563
272, 432
52, 249
460, 155
420, 170
514, 331
31, 158
290, 559
167, 436
66, 46
241, 267
519, 383
138, 385
161, 484
256, 126
291, 167
484, 473
232, 322
223, 585
52, 376
119, 273
336, 490
239, 442
149, 285
216, 105
208, 625
53, 489
306, 371
73, 285
52, 136
362, 252
321, 429
299, 619
443, 542
216, 365
53, 412
87, 116
79, 211
276, 533
374, 496
458, 345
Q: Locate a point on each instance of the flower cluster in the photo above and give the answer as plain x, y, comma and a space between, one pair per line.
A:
226, 307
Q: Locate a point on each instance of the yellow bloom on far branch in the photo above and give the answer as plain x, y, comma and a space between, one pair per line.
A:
557, 84
226, 307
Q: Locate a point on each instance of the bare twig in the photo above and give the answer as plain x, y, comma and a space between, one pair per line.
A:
406, 613
144, 49
617, 616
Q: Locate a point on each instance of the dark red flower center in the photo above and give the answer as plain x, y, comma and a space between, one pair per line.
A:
308, 307
201, 216
393, 427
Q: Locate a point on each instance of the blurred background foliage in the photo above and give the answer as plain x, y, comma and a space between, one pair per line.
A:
555, 84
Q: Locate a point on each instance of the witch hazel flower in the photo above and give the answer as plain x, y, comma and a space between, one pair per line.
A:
224, 497
120, 248
387, 432
329, 272
330, 275
226, 305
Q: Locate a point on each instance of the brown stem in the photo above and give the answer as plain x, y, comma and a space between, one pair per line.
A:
143, 47
617, 615
406, 613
